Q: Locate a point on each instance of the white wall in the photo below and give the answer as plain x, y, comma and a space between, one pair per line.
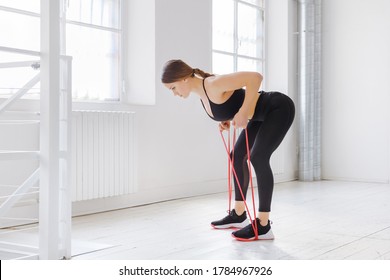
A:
356, 90
179, 149
140, 55
281, 71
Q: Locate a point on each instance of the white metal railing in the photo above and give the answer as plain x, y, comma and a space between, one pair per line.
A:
20, 51
33, 63
64, 162
22, 91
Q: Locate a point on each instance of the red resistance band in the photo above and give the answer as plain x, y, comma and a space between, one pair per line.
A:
231, 170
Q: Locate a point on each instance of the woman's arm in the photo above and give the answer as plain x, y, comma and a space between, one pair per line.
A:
251, 81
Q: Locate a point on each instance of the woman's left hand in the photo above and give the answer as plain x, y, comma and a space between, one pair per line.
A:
240, 120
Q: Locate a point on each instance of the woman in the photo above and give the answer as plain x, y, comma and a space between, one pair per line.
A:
266, 116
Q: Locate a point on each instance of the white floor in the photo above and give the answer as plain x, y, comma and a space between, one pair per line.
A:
321, 220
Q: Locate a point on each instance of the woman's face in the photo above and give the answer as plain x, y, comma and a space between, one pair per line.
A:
180, 88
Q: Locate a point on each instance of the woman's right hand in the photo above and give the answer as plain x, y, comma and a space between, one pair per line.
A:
225, 125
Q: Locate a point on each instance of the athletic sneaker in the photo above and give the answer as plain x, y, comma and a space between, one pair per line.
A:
247, 233
231, 221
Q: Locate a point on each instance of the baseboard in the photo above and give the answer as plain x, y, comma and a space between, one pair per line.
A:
148, 196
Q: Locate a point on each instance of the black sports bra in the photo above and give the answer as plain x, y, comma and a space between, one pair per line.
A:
228, 109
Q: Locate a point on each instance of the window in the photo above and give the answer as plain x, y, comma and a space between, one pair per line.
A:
238, 36
19, 29
93, 37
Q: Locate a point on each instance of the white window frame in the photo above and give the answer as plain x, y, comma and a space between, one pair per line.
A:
122, 94
234, 54
122, 46
23, 52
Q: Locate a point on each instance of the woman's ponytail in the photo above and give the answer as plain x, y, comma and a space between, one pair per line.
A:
176, 70
201, 73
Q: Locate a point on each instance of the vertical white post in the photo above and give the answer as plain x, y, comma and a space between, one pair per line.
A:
68, 213
309, 15
49, 218
65, 112
65, 156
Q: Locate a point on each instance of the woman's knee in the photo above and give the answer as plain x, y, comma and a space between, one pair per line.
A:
260, 160
238, 156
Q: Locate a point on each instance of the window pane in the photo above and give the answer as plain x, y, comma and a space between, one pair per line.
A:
222, 63
245, 64
98, 12
19, 31
250, 31
26, 5
223, 25
95, 62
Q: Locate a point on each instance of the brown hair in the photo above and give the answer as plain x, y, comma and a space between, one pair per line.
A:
176, 69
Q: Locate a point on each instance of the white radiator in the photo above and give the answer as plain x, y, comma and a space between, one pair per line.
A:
102, 154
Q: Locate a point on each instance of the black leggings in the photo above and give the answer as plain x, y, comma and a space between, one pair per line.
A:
272, 119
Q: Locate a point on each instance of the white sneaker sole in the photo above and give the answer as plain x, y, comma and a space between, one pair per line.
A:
268, 236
